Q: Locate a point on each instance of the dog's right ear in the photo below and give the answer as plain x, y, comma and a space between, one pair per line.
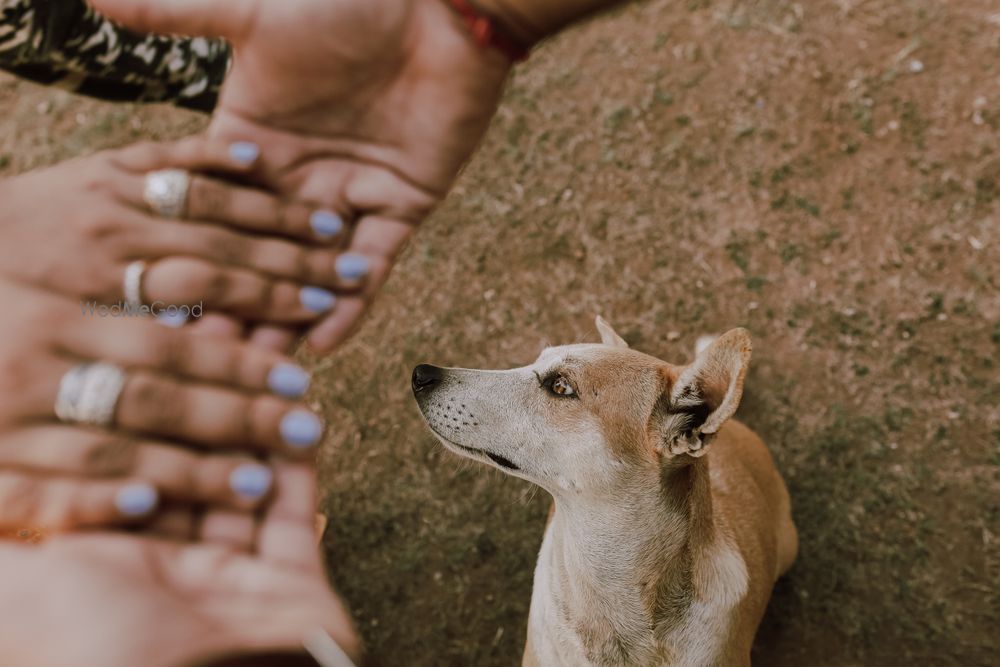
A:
608, 335
703, 396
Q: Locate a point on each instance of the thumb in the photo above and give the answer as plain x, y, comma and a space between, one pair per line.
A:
228, 19
287, 532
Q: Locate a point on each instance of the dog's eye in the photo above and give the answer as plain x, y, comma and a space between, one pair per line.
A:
560, 386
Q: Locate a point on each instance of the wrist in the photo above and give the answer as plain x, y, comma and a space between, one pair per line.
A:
535, 20
520, 24
444, 25
491, 32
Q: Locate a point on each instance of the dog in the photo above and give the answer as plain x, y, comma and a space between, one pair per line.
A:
670, 522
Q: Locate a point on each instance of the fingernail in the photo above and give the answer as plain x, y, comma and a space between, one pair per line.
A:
174, 320
325, 224
244, 152
316, 299
288, 380
251, 480
301, 429
137, 499
352, 267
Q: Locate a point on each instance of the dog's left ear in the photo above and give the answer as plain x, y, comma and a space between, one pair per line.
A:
704, 396
608, 335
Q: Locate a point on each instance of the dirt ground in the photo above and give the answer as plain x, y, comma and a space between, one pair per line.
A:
825, 174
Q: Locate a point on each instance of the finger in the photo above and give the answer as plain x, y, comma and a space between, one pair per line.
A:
321, 523
215, 417
258, 211
196, 153
274, 338
59, 503
139, 343
182, 285
236, 530
175, 522
215, 200
287, 532
179, 474
278, 258
337, 327
216, 324
229, 19
380, 241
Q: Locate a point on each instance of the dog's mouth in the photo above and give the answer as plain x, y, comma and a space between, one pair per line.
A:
498, 459
501, 461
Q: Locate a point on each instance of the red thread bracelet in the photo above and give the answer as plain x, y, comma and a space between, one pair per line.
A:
487, 33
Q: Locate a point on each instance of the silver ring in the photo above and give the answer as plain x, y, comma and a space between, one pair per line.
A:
132, 284
89, 393
166, 192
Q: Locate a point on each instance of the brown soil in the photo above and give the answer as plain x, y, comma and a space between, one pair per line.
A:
826, 174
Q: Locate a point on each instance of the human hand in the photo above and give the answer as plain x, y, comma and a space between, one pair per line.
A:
74, 228
119, 600
186, 399
367, 106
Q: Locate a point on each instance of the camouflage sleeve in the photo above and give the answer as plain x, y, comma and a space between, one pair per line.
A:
65, 43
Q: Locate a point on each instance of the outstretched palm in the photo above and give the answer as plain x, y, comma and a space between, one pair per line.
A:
369, 106
125, 600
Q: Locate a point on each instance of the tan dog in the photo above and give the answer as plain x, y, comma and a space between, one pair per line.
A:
671, 522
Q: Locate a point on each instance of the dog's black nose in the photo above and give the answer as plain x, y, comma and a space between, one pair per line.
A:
426, 377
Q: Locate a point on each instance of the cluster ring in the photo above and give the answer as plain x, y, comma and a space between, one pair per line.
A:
89, 393
166, 192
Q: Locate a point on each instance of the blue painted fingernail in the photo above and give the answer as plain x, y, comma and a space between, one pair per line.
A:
137, 499
325, 224
288, 380
251, 480
316, 299
301, 429
352, 267
244, 152
174, 320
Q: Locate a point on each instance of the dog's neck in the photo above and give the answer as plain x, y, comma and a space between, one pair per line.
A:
622, 571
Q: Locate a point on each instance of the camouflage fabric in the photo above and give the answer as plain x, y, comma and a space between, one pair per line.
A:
65, 43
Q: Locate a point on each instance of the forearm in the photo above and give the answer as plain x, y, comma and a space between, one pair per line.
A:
534, 20
65, 43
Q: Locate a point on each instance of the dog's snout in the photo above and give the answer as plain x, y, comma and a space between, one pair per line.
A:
426, 377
